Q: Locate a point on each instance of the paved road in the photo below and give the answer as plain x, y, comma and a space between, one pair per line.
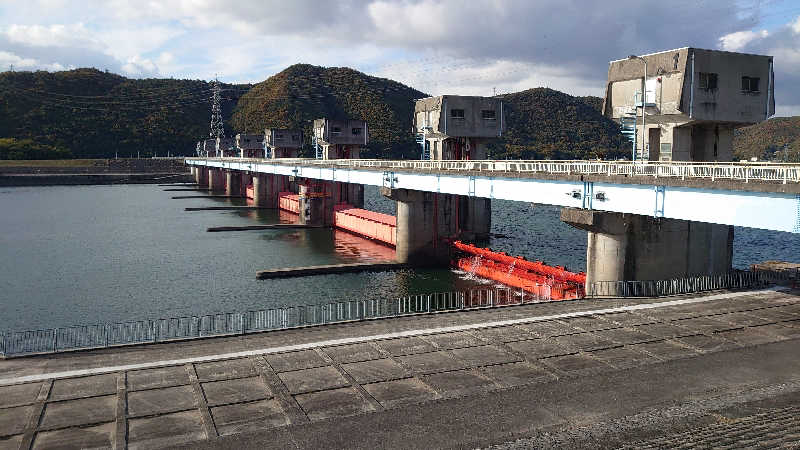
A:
608, 373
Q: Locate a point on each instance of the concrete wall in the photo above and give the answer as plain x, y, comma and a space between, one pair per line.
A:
284, 138
437, 113
342, 132
339, 151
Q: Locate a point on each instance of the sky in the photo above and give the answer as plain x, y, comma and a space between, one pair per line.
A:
461, 47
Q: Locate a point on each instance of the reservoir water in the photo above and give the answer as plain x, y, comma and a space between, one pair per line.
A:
88, 254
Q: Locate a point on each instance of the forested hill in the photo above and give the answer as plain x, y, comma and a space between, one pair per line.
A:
776, 139
89, 113
544, 123
301, 93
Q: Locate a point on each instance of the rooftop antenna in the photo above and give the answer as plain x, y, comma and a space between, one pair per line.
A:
217, 128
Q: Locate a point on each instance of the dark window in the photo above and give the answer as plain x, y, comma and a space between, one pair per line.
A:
294, 137
708, 81
278, 136
489, 114
750, 84
356, 131
457, 113
336, 130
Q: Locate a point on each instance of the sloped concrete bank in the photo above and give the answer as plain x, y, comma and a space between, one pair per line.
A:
100, 171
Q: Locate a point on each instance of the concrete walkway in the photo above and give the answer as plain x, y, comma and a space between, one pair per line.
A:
444, 380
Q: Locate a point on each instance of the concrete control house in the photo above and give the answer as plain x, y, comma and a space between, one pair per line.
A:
250, 145
457, 127
694, 100
282, 142
340, 139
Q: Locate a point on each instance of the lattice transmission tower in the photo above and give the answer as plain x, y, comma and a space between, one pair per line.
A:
217, 128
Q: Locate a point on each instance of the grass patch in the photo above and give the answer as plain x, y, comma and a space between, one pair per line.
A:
51, 162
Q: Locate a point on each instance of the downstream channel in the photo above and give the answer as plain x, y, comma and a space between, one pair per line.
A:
91, 254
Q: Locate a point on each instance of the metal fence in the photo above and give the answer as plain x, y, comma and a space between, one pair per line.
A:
227, 324
688, 285
740, 171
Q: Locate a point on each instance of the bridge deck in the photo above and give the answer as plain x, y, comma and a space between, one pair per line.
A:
418, 381
763, 196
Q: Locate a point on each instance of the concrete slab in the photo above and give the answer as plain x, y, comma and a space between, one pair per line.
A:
235, 391
584, 341
82, 411
159, 401
484, 355
623, 357
777, 314
628, 319
165, 430
590, 323
744, 319
431, 362
396, 393
406, 346
287, 362
505, 334
704, 324
517, 374
11, 443
225, 370
157, 378
665, 349
663, 330
540, 348
334, 403
548, 329
84, 387
100, 436
453, 340
247, 417
748, 336
375, 370
578, 363
707, 344
309, 380
353, 353
458, 382
625, 336
780, 330
18, 395
13, 420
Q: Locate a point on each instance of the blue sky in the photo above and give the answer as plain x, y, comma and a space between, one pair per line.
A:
438, 46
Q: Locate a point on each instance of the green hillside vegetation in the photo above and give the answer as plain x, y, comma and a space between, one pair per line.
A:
777, 139
90, 114
27, 149
296, 96
544, 123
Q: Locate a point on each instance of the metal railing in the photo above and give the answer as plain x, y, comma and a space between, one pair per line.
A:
686, 285
738, 171
226, 324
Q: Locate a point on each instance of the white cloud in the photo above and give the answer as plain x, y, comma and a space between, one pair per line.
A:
72, 35
138, 66
736, 41
796, 26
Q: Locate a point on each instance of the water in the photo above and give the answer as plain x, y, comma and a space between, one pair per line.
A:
87, 254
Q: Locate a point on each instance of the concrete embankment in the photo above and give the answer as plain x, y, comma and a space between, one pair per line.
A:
227, 208
98, 171
328, 270
276, 226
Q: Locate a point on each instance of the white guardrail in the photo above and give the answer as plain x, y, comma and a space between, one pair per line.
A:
750, 171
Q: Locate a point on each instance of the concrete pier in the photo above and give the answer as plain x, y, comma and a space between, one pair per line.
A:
233, 182
316, 204
634, 247
424, 221
328, 270
216, 180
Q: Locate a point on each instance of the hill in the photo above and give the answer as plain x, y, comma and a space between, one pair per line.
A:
544, 123
767, 140
301, 93
89, 114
